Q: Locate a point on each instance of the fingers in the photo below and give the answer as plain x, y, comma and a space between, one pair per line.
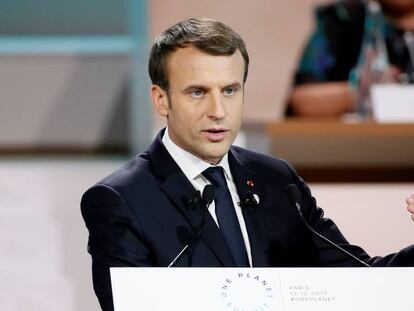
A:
410, 205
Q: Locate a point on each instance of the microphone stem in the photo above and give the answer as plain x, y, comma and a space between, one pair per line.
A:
183, 251
208, 197
178, 256
191, 242
327, 240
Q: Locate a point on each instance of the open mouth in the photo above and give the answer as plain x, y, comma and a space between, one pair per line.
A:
215, 134
216, 130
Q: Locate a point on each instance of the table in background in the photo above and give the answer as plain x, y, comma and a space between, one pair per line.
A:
334, 151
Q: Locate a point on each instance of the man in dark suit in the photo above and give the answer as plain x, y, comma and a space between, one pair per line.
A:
145, 213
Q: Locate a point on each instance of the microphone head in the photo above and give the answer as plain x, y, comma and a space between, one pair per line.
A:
256, 197
294, 193
249, 200
208, 194
194, 200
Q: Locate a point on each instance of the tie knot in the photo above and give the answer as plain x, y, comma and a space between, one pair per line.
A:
216, 176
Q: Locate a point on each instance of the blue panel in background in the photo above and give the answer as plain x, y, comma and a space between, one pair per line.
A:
65, 45
31, 27
63, 17
141, 122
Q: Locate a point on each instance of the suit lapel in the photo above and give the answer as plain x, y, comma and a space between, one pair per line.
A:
180, 191
245, 181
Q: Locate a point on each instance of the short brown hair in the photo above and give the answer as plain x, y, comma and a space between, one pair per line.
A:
205, 34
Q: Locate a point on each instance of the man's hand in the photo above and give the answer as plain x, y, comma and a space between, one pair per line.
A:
410, 205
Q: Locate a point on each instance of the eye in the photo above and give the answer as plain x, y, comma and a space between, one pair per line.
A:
229, 91
196, 93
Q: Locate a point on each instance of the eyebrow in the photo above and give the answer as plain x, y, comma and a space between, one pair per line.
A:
195, 87
234, 84
204, 88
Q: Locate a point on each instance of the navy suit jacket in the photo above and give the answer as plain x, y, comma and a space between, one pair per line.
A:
142, 215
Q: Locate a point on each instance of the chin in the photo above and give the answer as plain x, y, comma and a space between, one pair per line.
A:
217, 154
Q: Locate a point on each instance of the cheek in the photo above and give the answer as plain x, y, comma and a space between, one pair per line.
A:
190, 120
236, 113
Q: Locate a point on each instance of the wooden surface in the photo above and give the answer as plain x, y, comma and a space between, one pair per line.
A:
314, 129
327, 151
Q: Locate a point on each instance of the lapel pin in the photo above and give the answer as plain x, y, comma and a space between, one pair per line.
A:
250, 183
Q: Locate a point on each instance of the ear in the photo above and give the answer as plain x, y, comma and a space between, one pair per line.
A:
160, 100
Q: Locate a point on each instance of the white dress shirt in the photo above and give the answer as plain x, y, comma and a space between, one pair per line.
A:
193, 168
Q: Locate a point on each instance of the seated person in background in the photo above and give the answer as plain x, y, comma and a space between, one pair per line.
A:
321, 87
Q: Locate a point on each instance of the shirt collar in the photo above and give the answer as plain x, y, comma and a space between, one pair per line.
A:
191, 165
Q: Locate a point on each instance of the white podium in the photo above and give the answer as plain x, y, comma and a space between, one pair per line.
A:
262, 289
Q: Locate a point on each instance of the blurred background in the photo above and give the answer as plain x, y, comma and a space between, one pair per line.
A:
74, 105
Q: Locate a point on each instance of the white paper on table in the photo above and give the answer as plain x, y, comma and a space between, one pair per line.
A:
393, 103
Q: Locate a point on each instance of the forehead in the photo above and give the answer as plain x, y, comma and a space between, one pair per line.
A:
191, 64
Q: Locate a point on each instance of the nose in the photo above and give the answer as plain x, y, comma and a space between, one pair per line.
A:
216, 108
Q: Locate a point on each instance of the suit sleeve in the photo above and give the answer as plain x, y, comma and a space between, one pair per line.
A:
115, 238
329, 256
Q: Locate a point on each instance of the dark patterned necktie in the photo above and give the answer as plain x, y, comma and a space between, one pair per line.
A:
226, 216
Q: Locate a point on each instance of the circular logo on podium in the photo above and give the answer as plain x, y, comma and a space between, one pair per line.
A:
246, 291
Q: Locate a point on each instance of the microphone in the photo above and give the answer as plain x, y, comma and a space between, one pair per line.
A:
295, 196
195, 199
249, 200
207, 198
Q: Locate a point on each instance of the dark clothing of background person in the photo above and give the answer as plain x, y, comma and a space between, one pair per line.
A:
334, 46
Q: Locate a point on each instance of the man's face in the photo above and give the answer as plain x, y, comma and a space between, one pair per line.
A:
204, 103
